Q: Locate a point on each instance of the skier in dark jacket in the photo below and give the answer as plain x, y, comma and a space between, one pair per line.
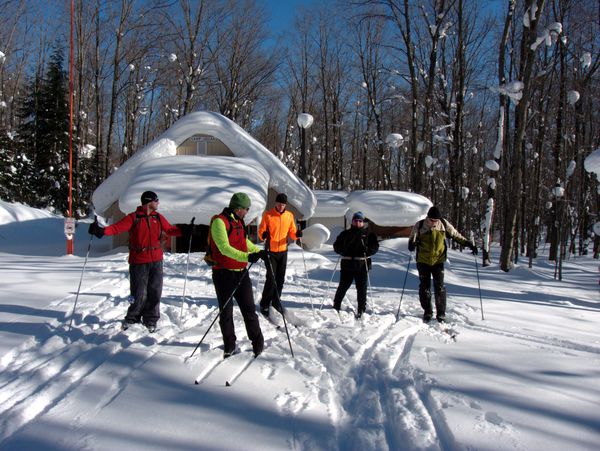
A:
147, 229
428, 236
355, 245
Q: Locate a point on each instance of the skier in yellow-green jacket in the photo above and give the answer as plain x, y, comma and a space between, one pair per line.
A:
428, 237
231, 251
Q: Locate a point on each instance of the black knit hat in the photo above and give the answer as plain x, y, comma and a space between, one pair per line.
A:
281, 198
434, 213
148, 196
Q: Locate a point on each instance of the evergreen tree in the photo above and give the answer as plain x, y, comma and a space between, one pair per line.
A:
26, 147
54, 129
44, 137
7, 168
15, 169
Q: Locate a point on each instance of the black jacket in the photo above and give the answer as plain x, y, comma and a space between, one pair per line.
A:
354, 244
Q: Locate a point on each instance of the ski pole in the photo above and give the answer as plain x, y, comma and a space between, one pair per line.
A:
404, 285
330, 282
368, 281
270, 270
87, 254
306, 275
479, 285
221, 309
259, 276
186, 268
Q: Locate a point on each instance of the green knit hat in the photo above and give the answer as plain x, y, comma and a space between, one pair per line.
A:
239, 200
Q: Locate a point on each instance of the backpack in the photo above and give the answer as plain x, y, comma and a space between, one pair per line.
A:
444, 223
138, 218
208, 256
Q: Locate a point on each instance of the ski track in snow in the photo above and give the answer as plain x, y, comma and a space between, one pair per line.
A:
60, 361
372, 395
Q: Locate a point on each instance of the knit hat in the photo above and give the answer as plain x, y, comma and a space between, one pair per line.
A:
281, 198
148, 196
239, 200
358, 215
434, 213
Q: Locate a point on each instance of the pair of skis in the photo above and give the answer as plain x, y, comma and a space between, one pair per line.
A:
236, 372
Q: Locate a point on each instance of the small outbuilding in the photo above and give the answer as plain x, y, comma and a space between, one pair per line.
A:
391, 214
194, 167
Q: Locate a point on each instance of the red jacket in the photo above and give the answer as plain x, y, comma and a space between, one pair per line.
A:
145, 234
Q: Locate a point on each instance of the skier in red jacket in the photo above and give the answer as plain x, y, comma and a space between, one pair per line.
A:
147, 229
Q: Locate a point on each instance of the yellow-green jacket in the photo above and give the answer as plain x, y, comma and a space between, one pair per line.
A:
430, 241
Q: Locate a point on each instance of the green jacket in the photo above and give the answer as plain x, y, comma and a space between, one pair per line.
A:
430, 241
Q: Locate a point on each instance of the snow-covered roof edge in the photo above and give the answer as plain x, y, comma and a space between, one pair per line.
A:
389, 208
241, 144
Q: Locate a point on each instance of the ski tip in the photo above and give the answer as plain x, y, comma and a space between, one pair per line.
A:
196, 382
227, 384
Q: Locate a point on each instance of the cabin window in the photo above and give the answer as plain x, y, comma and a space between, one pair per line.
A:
201, 148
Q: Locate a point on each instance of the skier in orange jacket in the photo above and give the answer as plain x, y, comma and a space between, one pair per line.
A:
276, 226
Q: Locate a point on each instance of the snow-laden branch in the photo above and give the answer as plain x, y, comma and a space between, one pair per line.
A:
513, 90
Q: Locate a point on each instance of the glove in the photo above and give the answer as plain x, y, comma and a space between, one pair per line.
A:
265, 235
412, 245
96, 229
260, 255
298, 233
471, 245
186, 229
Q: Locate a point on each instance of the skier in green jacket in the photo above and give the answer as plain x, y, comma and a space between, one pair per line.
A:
232, 250
428, 237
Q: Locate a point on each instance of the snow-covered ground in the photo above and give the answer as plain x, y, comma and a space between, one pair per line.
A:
525, 377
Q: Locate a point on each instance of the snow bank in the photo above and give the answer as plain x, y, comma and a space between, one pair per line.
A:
16, 212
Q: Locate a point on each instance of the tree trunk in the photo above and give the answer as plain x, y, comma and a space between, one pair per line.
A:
514, 192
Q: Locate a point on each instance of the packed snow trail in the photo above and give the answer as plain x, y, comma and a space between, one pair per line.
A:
373, 383
375, 351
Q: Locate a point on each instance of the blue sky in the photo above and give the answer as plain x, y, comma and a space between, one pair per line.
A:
282, 12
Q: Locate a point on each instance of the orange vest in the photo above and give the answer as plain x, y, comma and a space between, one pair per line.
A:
280, 226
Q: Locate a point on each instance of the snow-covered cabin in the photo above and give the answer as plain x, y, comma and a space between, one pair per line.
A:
390, 213
194, 167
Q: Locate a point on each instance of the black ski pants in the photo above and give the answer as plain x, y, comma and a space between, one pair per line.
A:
426, 273
145, 282
236, 285
274, 281
347, 276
